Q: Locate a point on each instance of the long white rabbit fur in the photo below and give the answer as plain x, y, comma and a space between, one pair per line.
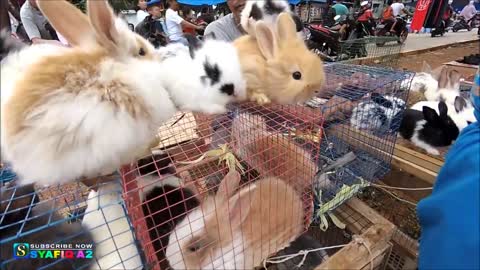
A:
113, 113
106, 219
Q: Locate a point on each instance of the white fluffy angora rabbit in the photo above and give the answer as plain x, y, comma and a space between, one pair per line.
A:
69, 113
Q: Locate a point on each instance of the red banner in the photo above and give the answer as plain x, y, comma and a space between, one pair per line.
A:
420, 14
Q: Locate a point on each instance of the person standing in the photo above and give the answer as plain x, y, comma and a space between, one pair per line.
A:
175, 23
228, 27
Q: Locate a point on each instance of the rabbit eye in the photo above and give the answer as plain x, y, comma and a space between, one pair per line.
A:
468, 122
297, 75
194, 247
141, 52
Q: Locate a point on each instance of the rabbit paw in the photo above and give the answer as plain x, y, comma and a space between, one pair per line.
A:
260, 98
432, 151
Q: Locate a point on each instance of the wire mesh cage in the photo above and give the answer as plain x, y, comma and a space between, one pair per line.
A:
224, 191
66, 227
372, 51
325, 151
275, 173
361, 126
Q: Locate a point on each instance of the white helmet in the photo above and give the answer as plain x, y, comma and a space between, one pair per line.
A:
364, 3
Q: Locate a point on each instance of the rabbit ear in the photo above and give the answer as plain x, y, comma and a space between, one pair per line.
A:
68, 20
443, 78
210, 36
443, 109
460, 104
426, 68
228, 185
286, 28
453, 78
266, 40
430, 114
102, 19
193, 44
240, 204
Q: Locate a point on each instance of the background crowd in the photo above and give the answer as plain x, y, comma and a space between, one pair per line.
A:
165, 21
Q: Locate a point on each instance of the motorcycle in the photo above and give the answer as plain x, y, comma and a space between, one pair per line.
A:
461, 24
401, 30
327, 41
441, 29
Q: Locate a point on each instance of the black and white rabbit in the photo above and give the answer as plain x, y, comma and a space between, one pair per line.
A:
15, 204
312, 260
428, 129
267, 11
377, 113
462, 112
165, 201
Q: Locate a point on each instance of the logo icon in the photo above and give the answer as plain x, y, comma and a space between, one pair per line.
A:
21, 250
423, 5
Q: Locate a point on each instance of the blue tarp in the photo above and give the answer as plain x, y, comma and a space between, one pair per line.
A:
201, 2
216, 2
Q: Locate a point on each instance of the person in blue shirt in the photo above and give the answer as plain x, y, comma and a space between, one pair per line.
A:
340, 8
450, 216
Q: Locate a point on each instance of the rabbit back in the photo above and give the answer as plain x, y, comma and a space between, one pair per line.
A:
106, 219
83, 121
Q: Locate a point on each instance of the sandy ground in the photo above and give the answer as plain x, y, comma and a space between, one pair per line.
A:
438, 57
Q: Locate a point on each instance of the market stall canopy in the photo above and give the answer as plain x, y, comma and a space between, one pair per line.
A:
215, 2
201, 2
296, 2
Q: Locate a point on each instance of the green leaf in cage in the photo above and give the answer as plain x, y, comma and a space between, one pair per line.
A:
345, 193
323, 223
225, 155
337, 221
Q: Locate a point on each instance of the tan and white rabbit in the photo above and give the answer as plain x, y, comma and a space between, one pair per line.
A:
277, 64
83, 111
237, 229
106, 219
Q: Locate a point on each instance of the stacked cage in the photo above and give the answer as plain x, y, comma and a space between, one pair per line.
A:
371, 50
324, 151
223, 191
70, 226
181, 197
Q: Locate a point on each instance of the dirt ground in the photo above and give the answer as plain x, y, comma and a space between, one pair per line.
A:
438, 57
